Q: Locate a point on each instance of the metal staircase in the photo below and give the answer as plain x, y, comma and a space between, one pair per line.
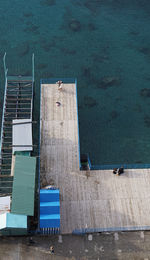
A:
18, 104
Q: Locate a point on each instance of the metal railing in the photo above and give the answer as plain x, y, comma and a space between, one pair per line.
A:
33, 67
5, 91
32, 83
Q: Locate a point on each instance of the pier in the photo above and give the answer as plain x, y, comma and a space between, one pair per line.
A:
90, 201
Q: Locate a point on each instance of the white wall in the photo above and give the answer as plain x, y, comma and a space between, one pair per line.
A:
3, 220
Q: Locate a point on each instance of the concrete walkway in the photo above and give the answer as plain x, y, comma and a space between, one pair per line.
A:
100, 246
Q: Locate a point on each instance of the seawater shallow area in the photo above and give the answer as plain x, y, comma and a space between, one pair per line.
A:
106, 46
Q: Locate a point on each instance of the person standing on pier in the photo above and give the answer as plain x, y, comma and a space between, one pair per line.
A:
118, 171
59, 83
51, 250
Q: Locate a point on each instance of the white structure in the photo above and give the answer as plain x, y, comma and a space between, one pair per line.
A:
4, 204
22, 135
3, 220
9, 220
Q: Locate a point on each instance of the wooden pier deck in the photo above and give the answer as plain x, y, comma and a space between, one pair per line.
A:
90, 200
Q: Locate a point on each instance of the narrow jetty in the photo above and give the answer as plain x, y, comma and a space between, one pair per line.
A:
17, 163
90, 201
18, 104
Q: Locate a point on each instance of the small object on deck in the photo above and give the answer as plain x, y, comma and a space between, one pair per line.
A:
120, 170
114, 170
51, 249
59, 83
31, 242
58, 104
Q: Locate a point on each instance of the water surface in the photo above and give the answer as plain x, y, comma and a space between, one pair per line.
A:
106, 46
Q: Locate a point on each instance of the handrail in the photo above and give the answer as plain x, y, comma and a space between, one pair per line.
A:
78, 125
33, 67
32, 84
5, 70
3, 114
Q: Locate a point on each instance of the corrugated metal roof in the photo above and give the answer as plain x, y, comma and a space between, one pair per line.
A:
24, 185
49, 209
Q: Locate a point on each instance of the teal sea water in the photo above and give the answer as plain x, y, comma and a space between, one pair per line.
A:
106, 46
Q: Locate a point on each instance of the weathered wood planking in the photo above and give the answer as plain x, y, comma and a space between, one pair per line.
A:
98, 199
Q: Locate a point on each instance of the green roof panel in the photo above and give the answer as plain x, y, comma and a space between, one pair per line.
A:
24, 185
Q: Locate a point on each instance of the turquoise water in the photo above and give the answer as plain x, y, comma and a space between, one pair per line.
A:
106, 46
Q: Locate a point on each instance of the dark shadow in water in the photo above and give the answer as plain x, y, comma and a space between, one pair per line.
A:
91, 27
47, 45
100, 58
93, 6
90, 102
87, 72
145, 51
42, 66
114, 114
147, 121
74, 25
145, 92
138, 108
32, 28
109, 81
26, 73
28, 14
68, 51
48, 2
22, 49
70, 22
134, 33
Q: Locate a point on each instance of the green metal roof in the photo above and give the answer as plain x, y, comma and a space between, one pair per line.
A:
24, 185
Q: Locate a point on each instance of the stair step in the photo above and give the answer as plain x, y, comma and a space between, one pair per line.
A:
18, 108
17, 99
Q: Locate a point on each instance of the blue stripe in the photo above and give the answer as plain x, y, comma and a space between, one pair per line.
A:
38, 229
78, 124
109, 229
54, 80
126, 166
